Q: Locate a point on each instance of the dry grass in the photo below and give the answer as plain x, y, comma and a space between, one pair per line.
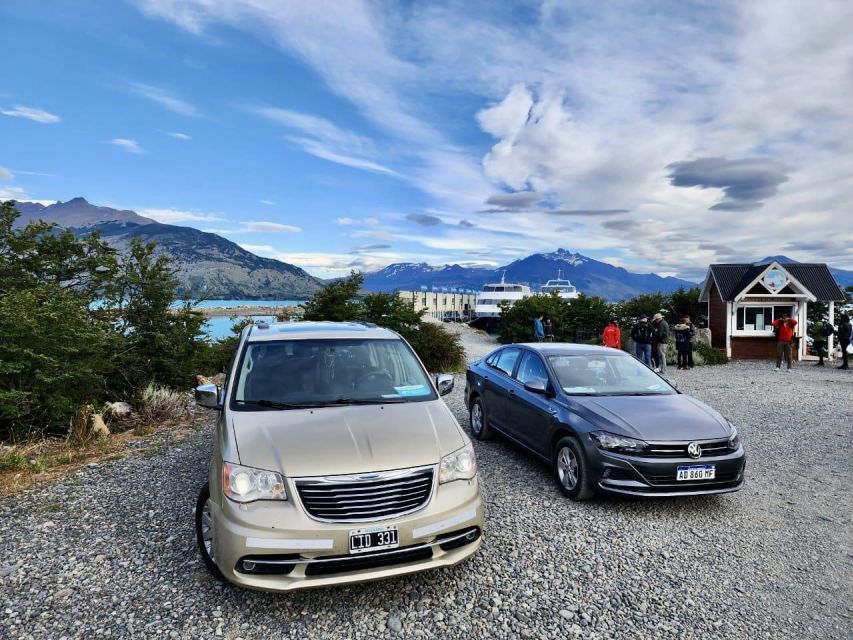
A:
47, 460
161, 404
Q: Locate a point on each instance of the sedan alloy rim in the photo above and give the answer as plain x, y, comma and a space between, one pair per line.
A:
567, 468
476, 418
207, 529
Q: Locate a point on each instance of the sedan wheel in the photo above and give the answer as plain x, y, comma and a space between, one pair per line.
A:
204, 531
479, 423
571, 470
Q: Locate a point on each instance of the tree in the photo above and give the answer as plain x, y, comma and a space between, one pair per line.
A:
336, 301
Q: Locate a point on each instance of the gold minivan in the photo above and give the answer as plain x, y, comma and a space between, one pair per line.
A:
334, 461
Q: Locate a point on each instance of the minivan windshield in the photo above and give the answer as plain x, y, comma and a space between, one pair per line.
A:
606, 375
288, 374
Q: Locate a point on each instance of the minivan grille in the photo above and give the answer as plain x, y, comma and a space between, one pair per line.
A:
367, 497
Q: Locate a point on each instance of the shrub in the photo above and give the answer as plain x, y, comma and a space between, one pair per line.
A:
439, 349
161, 404
709, 354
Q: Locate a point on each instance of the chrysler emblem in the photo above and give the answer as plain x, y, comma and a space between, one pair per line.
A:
694, 450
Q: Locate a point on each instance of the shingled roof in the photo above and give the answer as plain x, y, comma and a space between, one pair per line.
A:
732, 279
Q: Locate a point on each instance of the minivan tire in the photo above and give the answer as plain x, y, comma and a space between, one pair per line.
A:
477, 416
200, 525
571, 470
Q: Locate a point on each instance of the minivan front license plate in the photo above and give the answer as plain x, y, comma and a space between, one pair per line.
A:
372, 539
702, 472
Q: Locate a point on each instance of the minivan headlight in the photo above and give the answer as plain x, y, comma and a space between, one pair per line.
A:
245, 484
612, 442
459, 465
734, 439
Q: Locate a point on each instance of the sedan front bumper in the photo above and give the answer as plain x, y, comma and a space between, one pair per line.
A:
656, 477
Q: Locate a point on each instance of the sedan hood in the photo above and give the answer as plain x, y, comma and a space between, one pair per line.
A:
654, 418
346, 440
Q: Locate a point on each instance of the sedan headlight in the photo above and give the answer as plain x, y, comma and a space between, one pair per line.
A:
734, 440
612, 442
245, 484
459, 465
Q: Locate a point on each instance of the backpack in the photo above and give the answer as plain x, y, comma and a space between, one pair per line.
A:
827, 330
643, 333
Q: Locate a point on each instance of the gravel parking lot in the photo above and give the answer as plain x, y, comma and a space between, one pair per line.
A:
110, 550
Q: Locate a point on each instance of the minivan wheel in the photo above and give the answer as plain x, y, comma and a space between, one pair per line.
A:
479, 423
204, 532
571, 470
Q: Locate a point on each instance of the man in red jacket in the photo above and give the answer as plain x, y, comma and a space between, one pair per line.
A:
612, 336
784, 328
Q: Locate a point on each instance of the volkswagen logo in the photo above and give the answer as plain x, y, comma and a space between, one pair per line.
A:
694, 450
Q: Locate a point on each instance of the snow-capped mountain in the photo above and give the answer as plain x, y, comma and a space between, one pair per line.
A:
590, 276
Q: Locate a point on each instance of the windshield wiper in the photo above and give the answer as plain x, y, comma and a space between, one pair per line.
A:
346, 401
636, 393
275, 404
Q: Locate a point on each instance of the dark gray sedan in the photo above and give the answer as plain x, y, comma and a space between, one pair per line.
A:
603, 421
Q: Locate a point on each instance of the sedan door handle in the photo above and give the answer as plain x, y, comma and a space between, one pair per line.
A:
512, 392
552, 410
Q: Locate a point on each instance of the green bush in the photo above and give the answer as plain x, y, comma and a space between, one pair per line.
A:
709, 354
439, 350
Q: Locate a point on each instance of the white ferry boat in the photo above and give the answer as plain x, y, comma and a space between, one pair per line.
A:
493, 294
561, 286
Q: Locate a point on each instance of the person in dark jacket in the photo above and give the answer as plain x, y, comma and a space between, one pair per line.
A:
685, 332
844, 331
548, 326
661, 339
642, 334
819, 332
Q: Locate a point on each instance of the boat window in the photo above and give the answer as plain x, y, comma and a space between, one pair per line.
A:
506, 360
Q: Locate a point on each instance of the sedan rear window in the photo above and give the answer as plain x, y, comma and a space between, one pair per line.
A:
607, 375
308, 373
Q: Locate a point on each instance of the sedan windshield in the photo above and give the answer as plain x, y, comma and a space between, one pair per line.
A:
606, 375
294, 374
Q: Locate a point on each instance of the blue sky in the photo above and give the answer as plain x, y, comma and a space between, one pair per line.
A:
338, 135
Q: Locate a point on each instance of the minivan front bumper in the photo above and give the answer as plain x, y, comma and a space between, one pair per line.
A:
275, 546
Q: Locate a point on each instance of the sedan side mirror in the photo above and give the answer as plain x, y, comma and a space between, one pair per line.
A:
207, 396
537, 385
444, 383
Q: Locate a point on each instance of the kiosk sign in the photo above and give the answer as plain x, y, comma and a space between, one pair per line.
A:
774, 280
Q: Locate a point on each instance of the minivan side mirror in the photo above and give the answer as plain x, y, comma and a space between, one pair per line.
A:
444, 383
537, 385
207, 395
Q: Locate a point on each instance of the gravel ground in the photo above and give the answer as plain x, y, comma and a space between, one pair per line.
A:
110, 552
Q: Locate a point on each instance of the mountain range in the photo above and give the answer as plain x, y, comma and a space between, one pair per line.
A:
590, 276
208, 265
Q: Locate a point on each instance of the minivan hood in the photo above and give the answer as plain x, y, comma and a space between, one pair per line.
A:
655, 418
346, 440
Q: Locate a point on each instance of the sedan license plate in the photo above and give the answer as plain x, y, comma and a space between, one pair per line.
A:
703, 472
372, 539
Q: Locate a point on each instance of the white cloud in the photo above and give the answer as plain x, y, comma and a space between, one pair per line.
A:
258, 248
5, 174
128, 144
170, 216
346, 221
31, 113
269, 227
269, 203
164, 99
323, 139
179, 136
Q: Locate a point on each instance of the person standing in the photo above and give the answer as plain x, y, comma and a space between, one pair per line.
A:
844, 331
784, 328
548, 326
661, 339
538, 329
612, 335
684, 334
820, 332
642, 334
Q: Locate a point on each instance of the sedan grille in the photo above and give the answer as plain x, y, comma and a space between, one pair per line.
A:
679, 449
367, 497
